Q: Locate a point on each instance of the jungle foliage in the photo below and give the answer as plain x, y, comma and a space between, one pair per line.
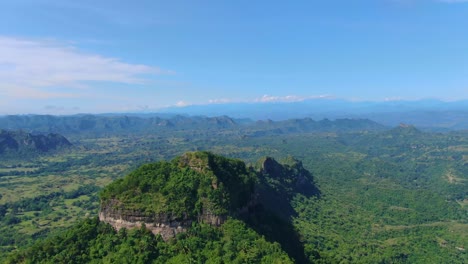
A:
92, 241
382, 195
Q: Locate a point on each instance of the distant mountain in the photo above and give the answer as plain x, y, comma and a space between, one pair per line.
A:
99, 124
432, 120
16, 142
110, 124
432, 115
405, 130
307, 125
428, 114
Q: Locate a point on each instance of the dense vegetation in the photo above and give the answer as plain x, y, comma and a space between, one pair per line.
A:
187, 185
91, 241
398, 195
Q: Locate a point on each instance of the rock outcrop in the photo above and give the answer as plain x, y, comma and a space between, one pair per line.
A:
200, 187
165, 224
167, 197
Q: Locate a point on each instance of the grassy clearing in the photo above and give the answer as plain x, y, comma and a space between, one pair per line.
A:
451, 178
463, 203
20, 170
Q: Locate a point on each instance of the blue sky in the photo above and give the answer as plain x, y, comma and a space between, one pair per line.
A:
59, 56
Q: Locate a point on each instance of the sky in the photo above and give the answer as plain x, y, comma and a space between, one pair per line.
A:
65, 57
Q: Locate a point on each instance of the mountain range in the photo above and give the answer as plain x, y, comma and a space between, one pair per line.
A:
124, 124
427, 114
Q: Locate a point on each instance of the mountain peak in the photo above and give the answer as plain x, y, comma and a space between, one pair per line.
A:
15, 142
406, 129
169, 196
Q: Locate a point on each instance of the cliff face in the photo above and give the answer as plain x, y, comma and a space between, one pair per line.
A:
165, 224
279, 183
290, 178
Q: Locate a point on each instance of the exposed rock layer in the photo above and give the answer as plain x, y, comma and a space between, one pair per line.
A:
164, 224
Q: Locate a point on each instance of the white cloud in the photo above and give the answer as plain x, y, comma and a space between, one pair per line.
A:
182, 104
267, 99
263, 99
29, 67
392, 99
287, 98
220, 101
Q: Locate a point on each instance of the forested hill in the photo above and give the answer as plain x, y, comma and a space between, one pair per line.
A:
98, 124
123, 124
197, 208
169, 196
20, 142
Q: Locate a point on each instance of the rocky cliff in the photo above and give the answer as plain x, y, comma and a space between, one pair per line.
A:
167, 197
165, 224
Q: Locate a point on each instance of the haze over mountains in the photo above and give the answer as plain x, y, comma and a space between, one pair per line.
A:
123, 124
434, 115
429, 113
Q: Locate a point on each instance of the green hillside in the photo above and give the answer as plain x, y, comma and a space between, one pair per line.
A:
183, 191
185, 186
91, 241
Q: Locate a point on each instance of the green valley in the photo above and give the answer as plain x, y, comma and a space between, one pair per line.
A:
378, 194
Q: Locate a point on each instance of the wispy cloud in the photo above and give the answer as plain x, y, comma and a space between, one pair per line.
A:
263, 99
16, 92
182, 104
55, 109
392, 99
288, 98
29, 67
221, 101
